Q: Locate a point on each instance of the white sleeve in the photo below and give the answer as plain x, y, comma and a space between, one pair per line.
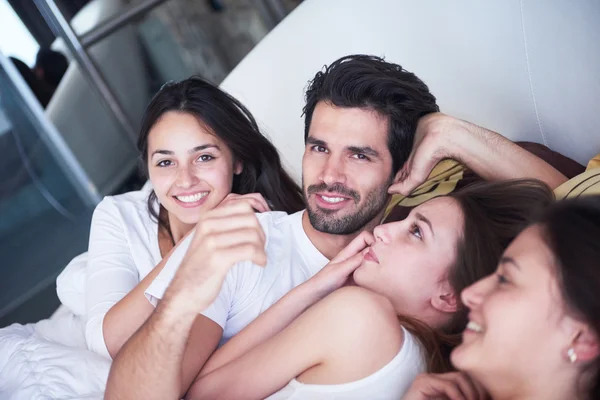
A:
218, 311
111, 272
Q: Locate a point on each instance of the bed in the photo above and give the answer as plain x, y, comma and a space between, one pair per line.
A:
525, 68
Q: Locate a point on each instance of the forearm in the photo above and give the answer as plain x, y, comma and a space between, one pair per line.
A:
125, 317
267, 325
494, 157
149, 364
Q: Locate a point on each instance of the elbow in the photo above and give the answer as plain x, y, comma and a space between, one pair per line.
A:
94, 337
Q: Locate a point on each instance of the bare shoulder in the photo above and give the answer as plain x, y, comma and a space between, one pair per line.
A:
359, 333
362, 315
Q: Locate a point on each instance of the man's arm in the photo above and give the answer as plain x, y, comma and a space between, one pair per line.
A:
327, 334
277, 317
489, 154
149, 365
154, 363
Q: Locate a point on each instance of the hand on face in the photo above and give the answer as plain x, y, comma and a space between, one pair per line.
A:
224, 236
335, 274
432, 144
255, 200
449, 386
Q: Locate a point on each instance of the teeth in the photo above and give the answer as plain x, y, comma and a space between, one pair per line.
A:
474, 326
333, 199
191, 198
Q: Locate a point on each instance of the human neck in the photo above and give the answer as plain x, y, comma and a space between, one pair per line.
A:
547, 388
330, 244
178, 228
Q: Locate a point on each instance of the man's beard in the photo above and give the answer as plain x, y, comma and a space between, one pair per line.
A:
326, 221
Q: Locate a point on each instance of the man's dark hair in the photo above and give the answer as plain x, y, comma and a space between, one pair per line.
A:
53, 64
369, 82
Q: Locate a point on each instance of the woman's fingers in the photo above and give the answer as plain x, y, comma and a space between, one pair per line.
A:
451, 386
358, 244
255, 200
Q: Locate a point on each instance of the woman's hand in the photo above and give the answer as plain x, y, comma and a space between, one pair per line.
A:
449, 386
335, 274
255, 200
223, 237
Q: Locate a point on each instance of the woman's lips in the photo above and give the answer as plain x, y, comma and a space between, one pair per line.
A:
370, 256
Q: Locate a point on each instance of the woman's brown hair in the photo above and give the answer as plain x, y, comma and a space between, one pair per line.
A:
493, 214
571, 229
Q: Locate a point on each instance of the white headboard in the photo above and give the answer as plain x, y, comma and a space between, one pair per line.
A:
529, 69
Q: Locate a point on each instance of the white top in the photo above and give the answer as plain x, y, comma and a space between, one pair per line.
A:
123, 249
248, 289
390, 382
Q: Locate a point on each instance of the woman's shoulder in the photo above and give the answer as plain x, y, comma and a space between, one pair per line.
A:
124, 202
359, 332
363, 314
137, 198
362, 300
127, 210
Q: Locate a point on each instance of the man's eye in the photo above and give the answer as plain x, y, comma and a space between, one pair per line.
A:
360, 156
319, 149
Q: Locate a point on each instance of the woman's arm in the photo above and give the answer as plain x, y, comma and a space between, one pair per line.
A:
348, 335
155, 362
115, 302
294, 303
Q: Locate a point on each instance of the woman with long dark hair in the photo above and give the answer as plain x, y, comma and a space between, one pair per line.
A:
200, 147
534, 325
401, 317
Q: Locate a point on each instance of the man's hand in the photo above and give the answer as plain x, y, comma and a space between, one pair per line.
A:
224, 236
449, 386
335, 274
488, 154
434, 141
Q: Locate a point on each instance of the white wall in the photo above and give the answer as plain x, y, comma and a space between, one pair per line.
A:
526, 68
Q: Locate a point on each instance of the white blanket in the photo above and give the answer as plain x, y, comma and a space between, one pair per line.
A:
50, 359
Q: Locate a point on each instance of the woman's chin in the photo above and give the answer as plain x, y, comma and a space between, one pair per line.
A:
462, 356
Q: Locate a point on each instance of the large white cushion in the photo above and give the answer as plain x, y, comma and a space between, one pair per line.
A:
525, 68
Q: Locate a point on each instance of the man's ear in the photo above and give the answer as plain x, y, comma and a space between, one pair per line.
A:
238, 167
444, 299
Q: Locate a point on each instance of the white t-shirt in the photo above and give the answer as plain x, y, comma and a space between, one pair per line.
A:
248, 289
389, 383
123, 249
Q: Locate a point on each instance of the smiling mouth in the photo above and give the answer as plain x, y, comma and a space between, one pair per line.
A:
332, 199
192, 198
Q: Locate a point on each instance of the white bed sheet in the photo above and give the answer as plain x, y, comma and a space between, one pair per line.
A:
50, 359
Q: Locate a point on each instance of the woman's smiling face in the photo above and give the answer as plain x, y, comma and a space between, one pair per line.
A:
190, 168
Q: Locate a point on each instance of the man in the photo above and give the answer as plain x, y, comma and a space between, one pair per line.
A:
361, 116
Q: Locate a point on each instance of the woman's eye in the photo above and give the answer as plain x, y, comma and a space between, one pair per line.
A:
205, 158
164, 163
416, 232
501, 279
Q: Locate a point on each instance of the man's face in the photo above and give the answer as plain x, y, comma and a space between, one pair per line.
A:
346, 168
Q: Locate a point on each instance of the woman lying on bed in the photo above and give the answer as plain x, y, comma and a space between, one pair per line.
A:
402, 317
198, 145
534, 325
